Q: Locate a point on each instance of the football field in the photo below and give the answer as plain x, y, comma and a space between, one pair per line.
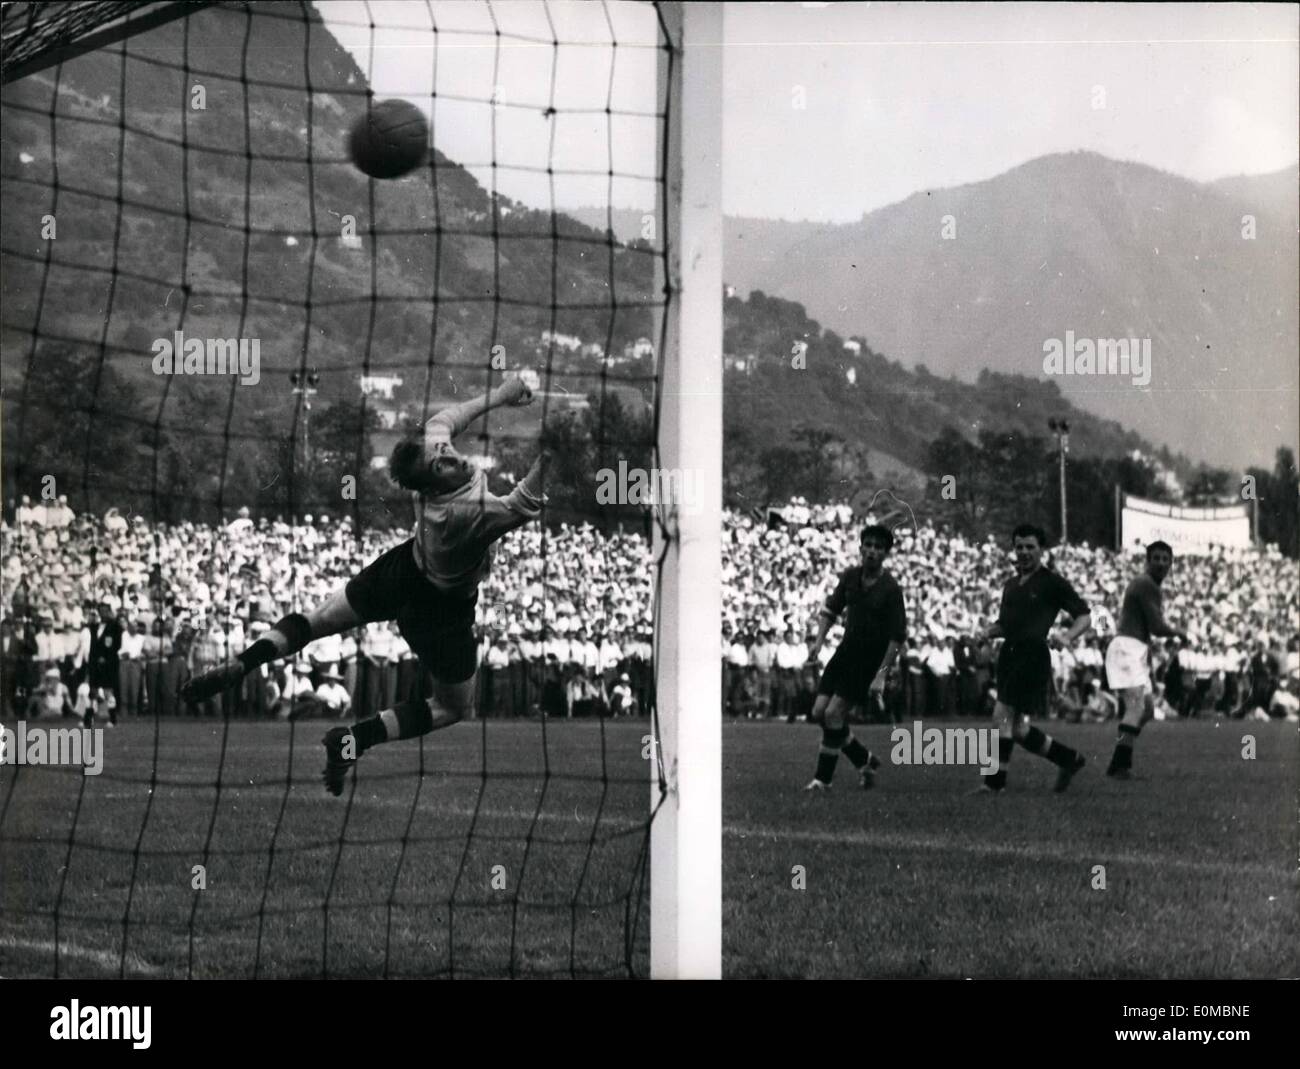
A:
920, 878
511, 850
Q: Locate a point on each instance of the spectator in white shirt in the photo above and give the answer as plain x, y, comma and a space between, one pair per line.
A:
331, 694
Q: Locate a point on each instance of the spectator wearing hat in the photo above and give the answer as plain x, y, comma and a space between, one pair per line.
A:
51, 698
583, 697
298, 698
332, 696
622, 702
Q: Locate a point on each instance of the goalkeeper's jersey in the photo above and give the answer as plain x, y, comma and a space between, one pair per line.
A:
454, 532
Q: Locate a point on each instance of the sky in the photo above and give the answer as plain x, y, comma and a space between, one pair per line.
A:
833, 110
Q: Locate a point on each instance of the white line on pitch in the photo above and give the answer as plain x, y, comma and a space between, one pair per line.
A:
1083, 853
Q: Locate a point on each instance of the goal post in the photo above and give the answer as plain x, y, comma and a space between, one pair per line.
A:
686, 834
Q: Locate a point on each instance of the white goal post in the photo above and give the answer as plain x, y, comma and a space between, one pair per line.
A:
686, 835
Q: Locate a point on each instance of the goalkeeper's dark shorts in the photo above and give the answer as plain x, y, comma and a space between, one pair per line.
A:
438, 628
850, 671
1025, 676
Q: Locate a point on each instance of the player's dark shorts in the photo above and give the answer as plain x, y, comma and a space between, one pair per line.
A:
1025, 676
438, 628
850, 671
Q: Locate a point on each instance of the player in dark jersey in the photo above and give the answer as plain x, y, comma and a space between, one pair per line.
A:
1031, 601
428, 584
875, 629
1141, 618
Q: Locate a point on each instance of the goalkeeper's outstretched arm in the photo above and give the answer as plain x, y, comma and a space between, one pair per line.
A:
451, 421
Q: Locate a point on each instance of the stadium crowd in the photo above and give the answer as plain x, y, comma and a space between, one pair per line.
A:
115, 614
103, 615
1238, 608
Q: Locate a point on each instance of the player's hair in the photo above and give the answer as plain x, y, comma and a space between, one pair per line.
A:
1159, 545
877, 533
407, 465
1031, 530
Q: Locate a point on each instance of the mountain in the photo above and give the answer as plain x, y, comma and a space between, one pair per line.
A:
228, 222
887, 413
1072, 242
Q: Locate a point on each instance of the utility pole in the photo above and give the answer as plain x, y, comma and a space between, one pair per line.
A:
304, 387
1061, 428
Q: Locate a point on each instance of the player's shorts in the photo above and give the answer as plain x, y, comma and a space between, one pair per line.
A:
438, 628
1025, 677
849, 673
1126, 664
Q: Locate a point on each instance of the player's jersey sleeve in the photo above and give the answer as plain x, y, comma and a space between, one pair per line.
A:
448, 423
504, 514
839, 597
1067, 598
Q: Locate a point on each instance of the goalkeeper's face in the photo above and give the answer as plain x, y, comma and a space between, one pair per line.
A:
448, 470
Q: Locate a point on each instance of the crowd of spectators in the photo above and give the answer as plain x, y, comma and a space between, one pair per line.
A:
120, 612
1238, 607
107, 616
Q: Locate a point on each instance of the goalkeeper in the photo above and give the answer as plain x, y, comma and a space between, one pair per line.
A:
428, 584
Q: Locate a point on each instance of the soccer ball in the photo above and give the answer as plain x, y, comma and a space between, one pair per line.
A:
390, 140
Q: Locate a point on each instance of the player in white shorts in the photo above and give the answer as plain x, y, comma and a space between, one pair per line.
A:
1141, 618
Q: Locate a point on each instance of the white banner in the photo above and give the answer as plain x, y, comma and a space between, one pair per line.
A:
1188, 530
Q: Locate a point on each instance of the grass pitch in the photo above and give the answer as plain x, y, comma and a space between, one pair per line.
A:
918, 878
513, 848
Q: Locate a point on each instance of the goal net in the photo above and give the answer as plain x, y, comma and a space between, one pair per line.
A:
176, 180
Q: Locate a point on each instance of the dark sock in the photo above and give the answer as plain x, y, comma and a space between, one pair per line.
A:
413, 719
296, 631
1044, 745
1035, 741
826, 762
369, 732
1122, 758
829, 754
1059, 754
856, 752
998, 779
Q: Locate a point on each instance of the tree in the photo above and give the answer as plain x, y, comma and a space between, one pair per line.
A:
816, 459
1209, 486
83, 423
1278, 494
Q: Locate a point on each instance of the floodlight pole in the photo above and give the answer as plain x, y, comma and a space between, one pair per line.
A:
686, 835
